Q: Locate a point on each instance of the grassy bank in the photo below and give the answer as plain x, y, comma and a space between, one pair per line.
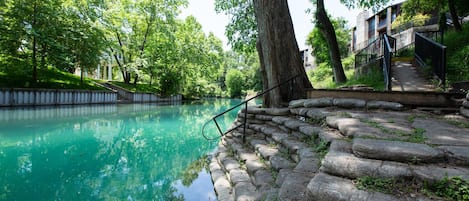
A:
48, 78
322, 77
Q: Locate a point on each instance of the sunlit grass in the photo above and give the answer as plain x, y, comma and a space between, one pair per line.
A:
48, 78
145, 88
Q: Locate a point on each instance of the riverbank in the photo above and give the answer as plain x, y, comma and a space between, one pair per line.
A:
341, 149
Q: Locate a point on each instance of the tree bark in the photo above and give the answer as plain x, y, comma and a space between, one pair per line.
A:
278, 53
327, 29
454, 15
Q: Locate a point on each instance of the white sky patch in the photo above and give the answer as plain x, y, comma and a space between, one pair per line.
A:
204, 12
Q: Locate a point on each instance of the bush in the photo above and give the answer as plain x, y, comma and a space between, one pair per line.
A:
234, 82
457, 53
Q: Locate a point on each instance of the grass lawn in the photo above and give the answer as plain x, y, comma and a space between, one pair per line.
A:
144, 88
48, 78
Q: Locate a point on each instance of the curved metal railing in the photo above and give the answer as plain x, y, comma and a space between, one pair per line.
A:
245, 103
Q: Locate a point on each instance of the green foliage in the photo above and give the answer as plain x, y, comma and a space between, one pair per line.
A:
234, 82
144, 88
403, 20
50, 78
322, 76
143, 38
241, 31
417, 136
322, 148
454, 188
318, 42
457, 52
375, 184
373, 78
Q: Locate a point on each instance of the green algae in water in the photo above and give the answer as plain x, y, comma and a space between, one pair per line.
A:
108, 152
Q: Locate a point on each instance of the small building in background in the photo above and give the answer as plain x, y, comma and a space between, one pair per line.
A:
308, 59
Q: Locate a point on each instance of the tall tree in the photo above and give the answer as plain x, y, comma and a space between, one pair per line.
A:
328, 31
129, 25
318, 42
279, 53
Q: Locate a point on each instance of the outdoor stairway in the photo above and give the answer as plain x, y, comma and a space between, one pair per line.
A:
406, 77
284, 157
121, 92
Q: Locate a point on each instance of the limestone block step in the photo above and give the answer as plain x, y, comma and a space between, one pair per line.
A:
266, 151
220, 182
434, 173
318, 102
396, 151
329, 135
384, 105
277, 111
457, 155
294, 186
349, 103
280, 120
326, 187
294, 124
309, 130
238, 175
262, 178
246, 191
278, 162
296, 103
350, 166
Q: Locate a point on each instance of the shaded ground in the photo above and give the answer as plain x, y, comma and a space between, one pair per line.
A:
406, 77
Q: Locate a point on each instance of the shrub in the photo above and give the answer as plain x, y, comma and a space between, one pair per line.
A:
457, 54
234, 82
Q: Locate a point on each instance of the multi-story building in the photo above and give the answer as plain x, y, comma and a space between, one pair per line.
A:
371, 27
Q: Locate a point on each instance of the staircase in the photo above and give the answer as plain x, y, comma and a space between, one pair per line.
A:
407, 77
317, 149
123, 95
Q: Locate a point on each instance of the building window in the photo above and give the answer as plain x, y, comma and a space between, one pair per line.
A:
371, 28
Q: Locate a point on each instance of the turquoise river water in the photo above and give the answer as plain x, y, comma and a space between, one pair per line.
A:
108, 152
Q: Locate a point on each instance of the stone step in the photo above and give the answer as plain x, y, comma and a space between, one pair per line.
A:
221, 183
456, 155
345, 164
292, 175
326, 187
235, 164
399, 151
344, 103
354, 128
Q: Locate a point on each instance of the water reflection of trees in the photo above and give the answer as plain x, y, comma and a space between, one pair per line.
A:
135, 153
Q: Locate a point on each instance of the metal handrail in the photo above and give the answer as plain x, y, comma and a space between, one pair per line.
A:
245, 103
387, 50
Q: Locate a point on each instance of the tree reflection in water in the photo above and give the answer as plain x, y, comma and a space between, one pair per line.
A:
118, 152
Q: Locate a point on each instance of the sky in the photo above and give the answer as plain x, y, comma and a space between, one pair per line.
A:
204, 12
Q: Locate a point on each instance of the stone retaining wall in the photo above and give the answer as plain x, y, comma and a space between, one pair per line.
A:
33, 97
317, 149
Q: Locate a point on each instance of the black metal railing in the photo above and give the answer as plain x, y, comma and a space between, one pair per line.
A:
387, 56
429, 52
245, 103
373, 51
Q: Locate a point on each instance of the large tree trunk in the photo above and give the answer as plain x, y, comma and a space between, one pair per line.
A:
454, 15
326, 28
279, 53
